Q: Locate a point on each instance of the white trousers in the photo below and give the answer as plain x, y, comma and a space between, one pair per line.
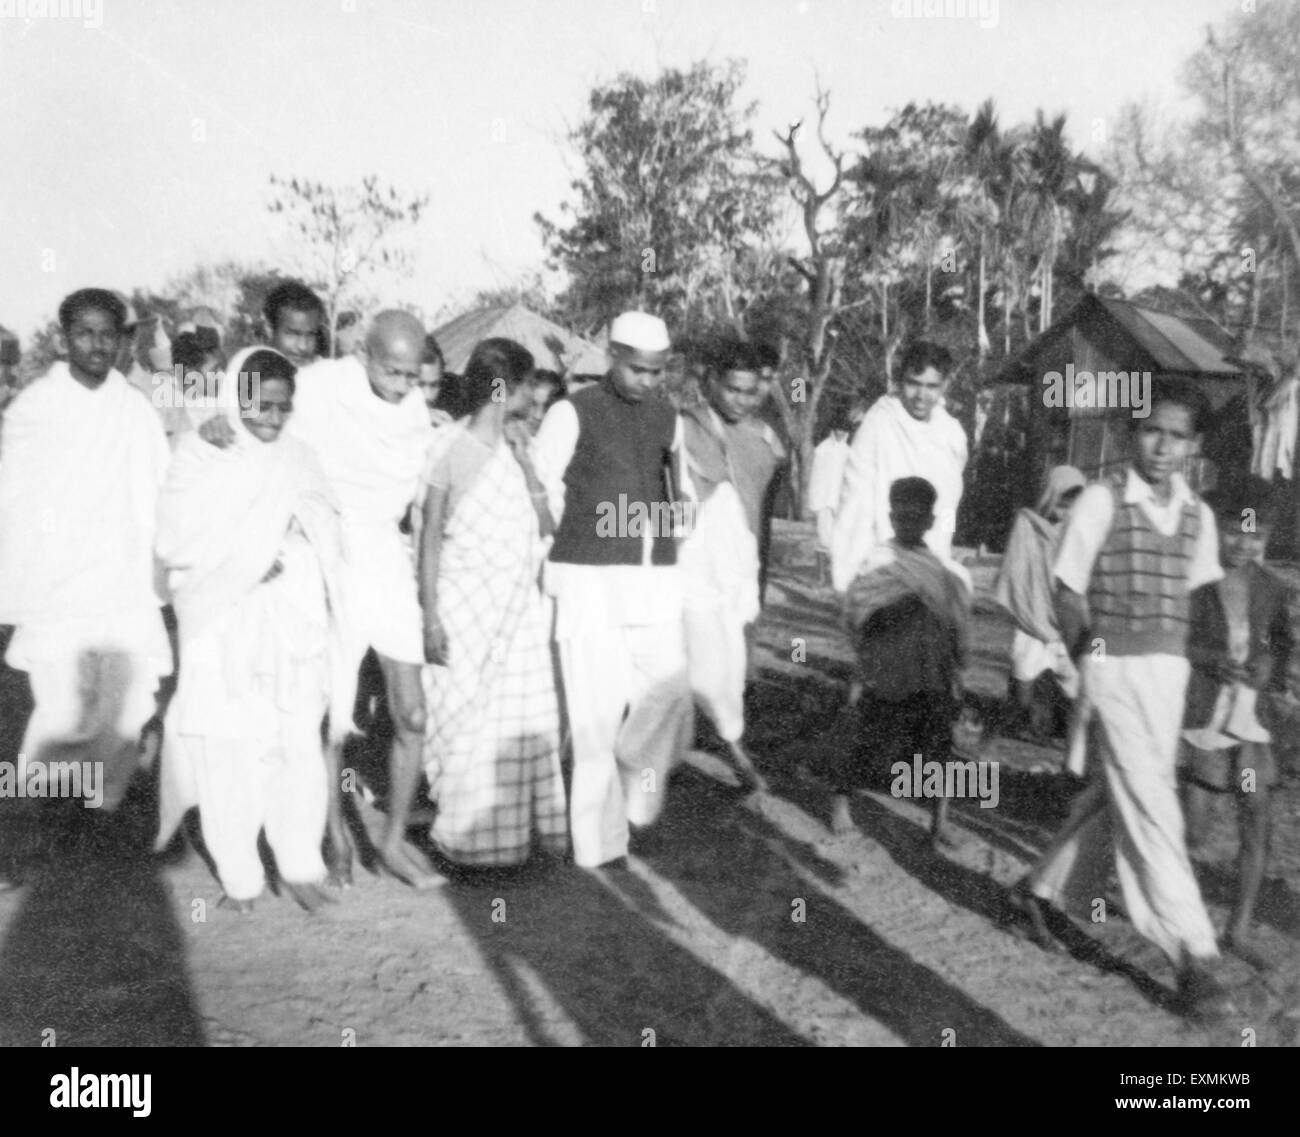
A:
716, 649
1130, 808
628, 698
90, 707
239, 793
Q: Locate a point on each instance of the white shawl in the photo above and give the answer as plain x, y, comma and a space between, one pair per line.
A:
222, 521
79, 486
891, 444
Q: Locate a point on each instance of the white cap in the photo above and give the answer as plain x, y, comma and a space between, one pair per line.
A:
640, 331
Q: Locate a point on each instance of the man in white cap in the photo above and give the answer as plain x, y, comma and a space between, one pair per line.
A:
610, 459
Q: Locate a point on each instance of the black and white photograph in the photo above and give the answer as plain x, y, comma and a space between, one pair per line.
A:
650, 523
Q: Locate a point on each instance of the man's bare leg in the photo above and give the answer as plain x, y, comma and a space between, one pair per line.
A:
1196, 817
1253, 824
841, 817
405, 696
940, 827
338, 843
750, 778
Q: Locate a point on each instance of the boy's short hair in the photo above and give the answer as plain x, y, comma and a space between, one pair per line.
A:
733, 355
769, 355
433, 352
189, 351
92, 300
294, 296
1167, 389
1236, 494
912, 491
920, 355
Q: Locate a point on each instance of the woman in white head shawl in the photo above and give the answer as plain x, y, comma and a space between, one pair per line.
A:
250, 537
1025, 589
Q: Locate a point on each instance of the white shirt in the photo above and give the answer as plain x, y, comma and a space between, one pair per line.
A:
827, 476
891, 444
1094, 511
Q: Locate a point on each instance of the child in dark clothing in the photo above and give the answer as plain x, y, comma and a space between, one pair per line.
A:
1239, 644
908, 611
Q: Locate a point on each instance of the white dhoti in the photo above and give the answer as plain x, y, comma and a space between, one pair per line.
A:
93, 681
719, 567
243, 740
382, 596
622, 655
1130, 808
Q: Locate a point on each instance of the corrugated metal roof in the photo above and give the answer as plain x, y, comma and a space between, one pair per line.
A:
553, 347
1176, 344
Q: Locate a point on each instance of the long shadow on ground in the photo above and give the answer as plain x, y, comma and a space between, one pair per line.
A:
94, 954
744, 875
607, 973
810, 727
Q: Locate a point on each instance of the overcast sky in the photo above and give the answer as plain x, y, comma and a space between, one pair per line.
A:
141, 145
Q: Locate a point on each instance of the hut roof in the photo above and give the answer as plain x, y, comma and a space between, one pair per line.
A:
1173, 343
553, 347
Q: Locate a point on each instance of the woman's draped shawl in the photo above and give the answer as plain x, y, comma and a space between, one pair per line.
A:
1024, 587
222, 521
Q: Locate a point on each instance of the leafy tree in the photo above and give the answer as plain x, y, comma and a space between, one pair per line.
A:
671, 192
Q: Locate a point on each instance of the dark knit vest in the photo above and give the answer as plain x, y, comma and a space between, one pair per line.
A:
615, 485
1138, 597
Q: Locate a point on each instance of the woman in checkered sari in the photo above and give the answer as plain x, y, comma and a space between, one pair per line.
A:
492, 742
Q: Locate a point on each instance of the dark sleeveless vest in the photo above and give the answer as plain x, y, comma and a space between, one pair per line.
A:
1138, 598
616, 484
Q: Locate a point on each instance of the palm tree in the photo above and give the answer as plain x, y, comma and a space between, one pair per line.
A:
982, 151
1051, 171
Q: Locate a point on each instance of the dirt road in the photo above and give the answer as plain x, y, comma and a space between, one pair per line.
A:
750, 924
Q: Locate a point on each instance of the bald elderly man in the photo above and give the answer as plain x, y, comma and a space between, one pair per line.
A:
365, 417
610, 459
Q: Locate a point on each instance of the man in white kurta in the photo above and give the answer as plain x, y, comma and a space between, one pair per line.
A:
906, 435
84, 459
608, 457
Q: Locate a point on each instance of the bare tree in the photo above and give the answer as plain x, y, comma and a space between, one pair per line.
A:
822, 270
347, 234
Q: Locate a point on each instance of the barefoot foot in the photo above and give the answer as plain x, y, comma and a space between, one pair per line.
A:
309, 896
750, 779
399, 860
338, 860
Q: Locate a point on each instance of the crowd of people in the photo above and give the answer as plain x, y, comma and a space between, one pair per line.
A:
552, 579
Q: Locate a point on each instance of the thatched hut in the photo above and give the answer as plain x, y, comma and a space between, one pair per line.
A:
554, 348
